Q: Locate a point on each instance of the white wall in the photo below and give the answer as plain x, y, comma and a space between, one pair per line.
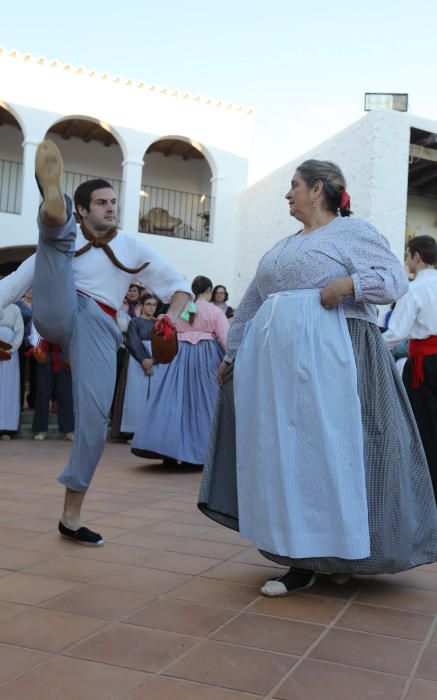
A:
422, 216
41, 93
373, 154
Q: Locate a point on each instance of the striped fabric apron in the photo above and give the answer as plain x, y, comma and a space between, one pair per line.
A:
300, 468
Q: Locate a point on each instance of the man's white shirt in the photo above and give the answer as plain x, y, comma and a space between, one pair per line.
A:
98, 277
415, 314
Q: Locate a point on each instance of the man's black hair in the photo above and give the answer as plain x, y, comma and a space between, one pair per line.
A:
426, 246
82, 196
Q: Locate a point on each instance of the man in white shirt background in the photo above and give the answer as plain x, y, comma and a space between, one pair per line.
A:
79, 278
415, 317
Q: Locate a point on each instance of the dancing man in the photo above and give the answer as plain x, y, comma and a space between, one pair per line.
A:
79, 276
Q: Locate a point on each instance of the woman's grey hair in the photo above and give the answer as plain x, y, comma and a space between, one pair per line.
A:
333, 180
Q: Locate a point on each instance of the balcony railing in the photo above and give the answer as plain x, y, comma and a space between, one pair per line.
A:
10, 186
174, 213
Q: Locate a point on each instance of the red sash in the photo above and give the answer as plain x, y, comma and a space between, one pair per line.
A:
107, 309
420, 348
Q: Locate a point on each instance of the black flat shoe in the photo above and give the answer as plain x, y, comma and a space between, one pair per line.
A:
289, 583
82, 536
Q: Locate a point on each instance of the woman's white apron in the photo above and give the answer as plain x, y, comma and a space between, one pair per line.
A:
137, 385
300, 468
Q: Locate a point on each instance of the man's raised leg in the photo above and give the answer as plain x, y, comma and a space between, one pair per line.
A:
55, 309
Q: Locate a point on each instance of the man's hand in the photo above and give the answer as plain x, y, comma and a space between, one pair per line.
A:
332, 295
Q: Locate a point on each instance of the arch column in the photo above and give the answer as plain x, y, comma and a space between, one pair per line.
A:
30, 196
130, 199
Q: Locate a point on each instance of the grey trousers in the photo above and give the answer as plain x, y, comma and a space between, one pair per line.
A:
89, 338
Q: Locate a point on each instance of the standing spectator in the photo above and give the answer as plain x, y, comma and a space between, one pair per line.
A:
134, 379
132, 301
53, 381
175, 421
220, 297
11, 332
415, 316
27, 363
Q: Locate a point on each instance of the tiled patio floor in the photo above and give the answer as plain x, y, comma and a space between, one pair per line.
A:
170, 608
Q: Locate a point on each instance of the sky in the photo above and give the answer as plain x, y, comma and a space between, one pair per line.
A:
302, 66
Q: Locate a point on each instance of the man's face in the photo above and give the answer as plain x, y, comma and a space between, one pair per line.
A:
102, 215
411, 259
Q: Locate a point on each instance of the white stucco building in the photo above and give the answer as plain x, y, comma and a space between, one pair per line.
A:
176, 161
179, 162
390, 162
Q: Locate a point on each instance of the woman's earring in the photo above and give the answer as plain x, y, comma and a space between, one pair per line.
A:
314, 203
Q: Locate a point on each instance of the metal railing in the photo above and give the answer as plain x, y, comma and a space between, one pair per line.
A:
71, 181
11, 178
166, 212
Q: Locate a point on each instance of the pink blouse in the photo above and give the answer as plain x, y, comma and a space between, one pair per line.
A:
210, 323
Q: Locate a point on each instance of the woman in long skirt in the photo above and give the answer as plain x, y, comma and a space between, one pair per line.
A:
174, 422
11, 332
322, 466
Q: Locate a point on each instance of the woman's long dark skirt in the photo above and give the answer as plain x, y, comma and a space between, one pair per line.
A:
402, 511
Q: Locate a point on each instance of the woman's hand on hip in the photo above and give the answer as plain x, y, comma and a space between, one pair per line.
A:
332, 295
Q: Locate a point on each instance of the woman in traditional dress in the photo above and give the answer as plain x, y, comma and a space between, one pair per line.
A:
11, 332
134, 381
220, 298
331, 473
174, 423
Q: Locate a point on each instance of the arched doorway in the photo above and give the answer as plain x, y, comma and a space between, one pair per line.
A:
175, 197
89, 151
11, 162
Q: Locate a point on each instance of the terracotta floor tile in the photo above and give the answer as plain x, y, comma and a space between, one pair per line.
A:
10, 609
179, 529
251, 574
142, 580
394, 623
318, 680
232, 666
269, 633
148, 512
371, 651
415, 578
428, 665
224, 534
72, 569
46, 630
178, 616
50, 542
184, 545
137, 648
16, 559
221, 593
179, 563
422, 690
164, 688
10, 535
14, 660
194, 518
176, 505
98, 601
34, 523
398, 597
111, 552
123, 521
299, 607
26, 588
64, 678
